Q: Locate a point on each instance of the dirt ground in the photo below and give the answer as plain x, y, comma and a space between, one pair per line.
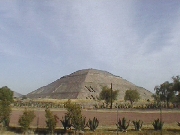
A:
106, 117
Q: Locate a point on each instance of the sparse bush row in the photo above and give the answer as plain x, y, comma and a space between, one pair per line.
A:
35, 104
74, 118
80, 124
140, 106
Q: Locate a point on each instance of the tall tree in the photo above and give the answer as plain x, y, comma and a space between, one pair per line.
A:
6, 98
108, 95
132, 96
165, 92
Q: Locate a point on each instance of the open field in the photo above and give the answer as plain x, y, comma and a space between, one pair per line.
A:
108, 119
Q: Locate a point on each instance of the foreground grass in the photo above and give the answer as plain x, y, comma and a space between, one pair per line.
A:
144, 132
111, 132
168, 129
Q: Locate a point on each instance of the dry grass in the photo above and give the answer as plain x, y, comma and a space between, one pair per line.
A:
168, 129
114, 132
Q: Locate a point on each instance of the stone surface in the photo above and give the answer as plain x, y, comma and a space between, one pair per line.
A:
86, 84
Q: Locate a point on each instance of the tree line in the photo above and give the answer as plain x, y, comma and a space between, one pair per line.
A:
168, 92
109, 95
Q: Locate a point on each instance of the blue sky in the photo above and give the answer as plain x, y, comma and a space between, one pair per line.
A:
43, 40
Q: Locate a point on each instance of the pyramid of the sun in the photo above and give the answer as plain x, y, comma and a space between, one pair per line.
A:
86, 84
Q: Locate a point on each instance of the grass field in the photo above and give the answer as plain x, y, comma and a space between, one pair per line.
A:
110, 131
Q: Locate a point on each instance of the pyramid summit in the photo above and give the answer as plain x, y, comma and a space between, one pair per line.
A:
86, 84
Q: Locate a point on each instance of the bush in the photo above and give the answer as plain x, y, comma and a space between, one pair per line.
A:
178, 123
74, 112
157, 124
66, 123
26, 119
137, 125
51, 120
93, 124
123, 124
6, 98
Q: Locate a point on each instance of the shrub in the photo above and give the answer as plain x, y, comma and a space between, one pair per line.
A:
74, 112
178, 123
123, 124
6, 98
26, 119
66, 123
93, 124
51, 120
79, 123
157, 124
137, 125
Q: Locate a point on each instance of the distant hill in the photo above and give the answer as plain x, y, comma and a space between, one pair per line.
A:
86, 84
17, 95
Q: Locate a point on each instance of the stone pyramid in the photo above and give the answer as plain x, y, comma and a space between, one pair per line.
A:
86, 84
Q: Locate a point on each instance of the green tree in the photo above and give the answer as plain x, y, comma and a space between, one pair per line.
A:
132, 96
6, 98
165, 92
74, 112
26, 119
51, 120
176, 83
156, 98
105, 95
176, 87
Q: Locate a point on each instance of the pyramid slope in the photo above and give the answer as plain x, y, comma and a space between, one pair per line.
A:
86, 84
